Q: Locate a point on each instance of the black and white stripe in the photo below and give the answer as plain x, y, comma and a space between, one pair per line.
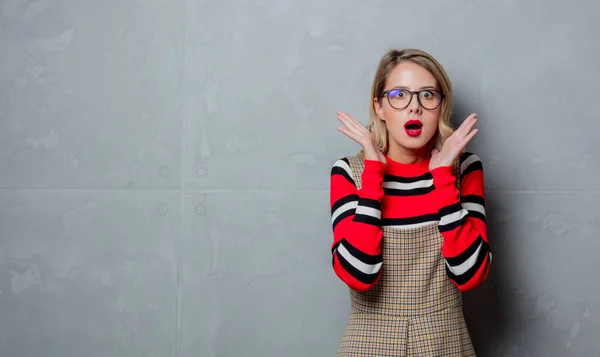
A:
463, 267
342, 167
410, 222
475, 205
407, 186
469, 162
362, 266
449, 217
452, 216
363, 209
368, 211
470, 205
342, 208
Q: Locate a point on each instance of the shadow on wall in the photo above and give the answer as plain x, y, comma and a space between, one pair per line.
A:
488, 310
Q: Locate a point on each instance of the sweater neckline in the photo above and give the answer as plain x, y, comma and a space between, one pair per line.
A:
397, 168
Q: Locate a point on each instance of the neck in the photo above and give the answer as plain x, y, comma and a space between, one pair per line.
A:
407, 156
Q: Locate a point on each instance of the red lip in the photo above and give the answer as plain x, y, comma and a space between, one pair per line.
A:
413, 121
415, 127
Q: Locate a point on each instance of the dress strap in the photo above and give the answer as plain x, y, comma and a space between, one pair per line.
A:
457, 172
357, 166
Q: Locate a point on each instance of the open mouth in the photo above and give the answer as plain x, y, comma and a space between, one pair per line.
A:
413, 127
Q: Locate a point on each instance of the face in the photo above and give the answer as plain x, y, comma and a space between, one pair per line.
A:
410, 129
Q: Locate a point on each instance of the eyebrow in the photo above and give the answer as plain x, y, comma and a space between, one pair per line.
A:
404, 87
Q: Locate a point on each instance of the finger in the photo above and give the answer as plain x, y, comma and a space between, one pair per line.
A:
466, 122
355, 137
466, 126
468, 138
350, 122
470, 117
348, 125
469, 126
349, 133
355, 123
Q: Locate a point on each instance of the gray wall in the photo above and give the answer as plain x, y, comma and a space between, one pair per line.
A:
164, 170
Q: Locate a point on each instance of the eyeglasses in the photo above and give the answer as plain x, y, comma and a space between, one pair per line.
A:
400, 98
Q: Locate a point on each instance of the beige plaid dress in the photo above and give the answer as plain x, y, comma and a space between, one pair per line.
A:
414, 309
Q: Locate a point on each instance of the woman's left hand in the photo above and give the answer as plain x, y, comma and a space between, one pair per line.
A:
454, 145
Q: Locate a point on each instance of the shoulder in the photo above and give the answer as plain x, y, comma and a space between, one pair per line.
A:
347, 162
469, 161
341, 162
347, 166
469, 157
342, 166
467, 154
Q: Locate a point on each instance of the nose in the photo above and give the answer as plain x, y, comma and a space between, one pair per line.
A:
414, 106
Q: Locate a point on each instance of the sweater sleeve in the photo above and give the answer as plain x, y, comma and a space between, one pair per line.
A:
356, 217
463, 224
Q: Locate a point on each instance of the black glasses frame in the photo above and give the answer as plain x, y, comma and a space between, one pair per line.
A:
385, 93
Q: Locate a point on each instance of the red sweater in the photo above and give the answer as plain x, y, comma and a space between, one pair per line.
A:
404, 196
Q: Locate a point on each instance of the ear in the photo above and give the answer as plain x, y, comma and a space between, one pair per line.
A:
378, 109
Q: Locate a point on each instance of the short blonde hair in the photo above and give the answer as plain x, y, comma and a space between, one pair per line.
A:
388, 62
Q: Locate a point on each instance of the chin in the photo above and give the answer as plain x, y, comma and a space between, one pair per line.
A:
413, 143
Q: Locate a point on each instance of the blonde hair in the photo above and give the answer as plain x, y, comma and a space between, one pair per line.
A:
388, 62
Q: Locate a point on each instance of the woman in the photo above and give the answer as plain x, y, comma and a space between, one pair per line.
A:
408, 216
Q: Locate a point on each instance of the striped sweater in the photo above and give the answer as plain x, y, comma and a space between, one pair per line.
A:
404, 196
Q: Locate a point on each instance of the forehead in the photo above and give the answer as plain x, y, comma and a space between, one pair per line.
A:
411, 75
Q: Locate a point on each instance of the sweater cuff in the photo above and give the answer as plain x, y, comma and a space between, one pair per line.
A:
372, 180
375, 167
445, 183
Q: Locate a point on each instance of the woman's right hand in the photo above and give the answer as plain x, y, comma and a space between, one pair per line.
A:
357, 132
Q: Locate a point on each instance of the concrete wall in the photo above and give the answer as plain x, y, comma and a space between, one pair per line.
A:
164, 170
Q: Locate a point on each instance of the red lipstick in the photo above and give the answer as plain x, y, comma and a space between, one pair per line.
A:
413, 127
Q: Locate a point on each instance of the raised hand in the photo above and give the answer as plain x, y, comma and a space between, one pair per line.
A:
454, 145
356, 131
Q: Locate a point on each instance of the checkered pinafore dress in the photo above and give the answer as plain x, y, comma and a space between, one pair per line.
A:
414, 309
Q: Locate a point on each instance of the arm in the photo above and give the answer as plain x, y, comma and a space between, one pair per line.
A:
355, 216
463, 224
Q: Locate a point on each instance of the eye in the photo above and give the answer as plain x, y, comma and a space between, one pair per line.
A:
427, 94
398, 93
